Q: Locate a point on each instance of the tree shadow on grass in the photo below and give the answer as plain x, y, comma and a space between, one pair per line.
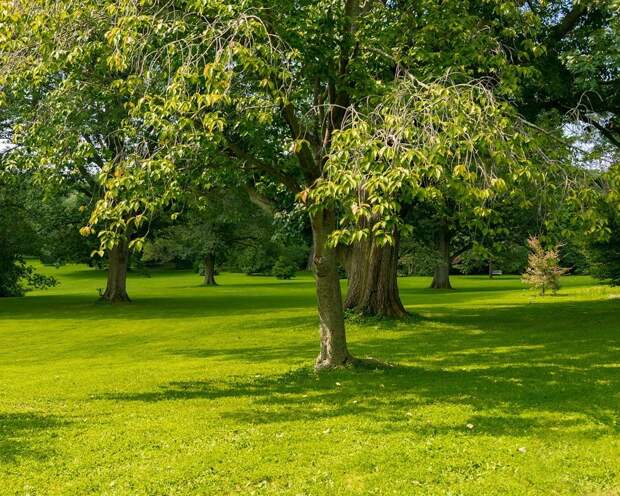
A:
17, 431
498, 403
208, 304
516, 370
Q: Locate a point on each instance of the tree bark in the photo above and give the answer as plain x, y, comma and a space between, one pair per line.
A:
209, 270
310, 262
373, 280
118, 263
334, 352
441, 279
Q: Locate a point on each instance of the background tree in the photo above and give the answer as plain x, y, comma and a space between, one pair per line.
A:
18, 234
214, 225
543, 270
603, 245
66, 112
578, 66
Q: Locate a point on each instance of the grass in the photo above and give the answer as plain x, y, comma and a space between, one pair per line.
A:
194, 390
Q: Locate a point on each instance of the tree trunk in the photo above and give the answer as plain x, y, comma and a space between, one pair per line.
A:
373, 280
310, 262
118, 262
334, 352
441, 279
209, 270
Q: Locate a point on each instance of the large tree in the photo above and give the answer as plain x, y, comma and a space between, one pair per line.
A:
61, 99
273, 85
578, 63
274, 91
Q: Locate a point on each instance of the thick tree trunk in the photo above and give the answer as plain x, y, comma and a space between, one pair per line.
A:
373, 280
118, 262
209, 270
334, 352
441, 279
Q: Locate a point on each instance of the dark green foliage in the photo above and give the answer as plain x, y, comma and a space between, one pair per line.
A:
17, 277
604, 252
18, 236
573, 255
284, 268
416, 258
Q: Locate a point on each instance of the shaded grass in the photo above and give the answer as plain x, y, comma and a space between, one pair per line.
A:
194, 390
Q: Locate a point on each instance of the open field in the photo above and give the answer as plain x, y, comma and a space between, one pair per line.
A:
196, 390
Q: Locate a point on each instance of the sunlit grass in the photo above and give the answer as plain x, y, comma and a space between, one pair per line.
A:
194, 390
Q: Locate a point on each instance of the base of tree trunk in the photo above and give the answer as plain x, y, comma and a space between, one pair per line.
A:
350, 362
441, 283
393, 309
330, 363
115, 297
441, 278
209, 271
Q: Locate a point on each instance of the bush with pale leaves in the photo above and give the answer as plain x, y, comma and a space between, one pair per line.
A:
543, 271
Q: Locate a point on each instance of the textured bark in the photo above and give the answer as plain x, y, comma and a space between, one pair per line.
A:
373, 280
209, 270
118, 262
441, 279
334, 352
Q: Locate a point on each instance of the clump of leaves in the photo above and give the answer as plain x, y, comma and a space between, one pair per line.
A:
16, 277
543, 271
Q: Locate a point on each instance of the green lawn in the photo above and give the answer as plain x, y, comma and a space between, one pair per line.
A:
193, 390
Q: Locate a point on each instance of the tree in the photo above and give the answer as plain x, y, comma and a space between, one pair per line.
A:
372, 272
603, 245
215, 224
60, 98
262, 91
18, 235
447, 38
543, 270
578, 64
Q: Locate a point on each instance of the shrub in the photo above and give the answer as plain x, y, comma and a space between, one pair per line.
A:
284, 268
543, 271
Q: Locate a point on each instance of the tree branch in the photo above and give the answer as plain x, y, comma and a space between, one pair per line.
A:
259, 200
239, 153
568, 23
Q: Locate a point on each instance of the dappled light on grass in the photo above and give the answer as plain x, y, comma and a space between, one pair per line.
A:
493, 390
